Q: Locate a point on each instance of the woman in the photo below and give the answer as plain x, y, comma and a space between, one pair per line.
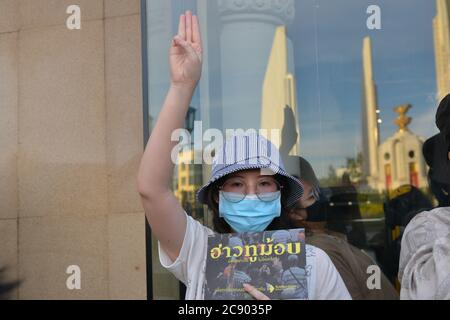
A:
241, 196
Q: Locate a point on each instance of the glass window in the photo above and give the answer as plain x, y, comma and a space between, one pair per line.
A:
356, 102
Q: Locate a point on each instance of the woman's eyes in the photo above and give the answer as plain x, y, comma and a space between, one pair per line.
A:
308, 197
235, 184
240, 184
267, 183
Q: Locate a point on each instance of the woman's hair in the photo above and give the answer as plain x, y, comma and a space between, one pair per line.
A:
221, 226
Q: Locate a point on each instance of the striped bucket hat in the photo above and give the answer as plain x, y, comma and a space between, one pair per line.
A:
250, 151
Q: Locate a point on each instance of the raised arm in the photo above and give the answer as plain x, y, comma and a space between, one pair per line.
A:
164, 213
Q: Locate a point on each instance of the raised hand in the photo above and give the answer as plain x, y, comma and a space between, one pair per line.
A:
162, 209
185, 55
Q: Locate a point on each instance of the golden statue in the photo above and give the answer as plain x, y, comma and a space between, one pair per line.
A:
403, 121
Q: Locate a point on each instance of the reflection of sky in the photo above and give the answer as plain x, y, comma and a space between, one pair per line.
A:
329, 72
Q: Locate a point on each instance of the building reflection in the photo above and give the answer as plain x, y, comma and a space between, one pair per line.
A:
188, 179
188, 176
398, 160
249, 81
279, 102
370, 120
441, 32
400, 157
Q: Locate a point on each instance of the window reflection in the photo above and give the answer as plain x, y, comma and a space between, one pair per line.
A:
357, 104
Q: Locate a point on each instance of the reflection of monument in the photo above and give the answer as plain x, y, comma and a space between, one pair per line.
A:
370, 129
398, 160
400, 156
246, 43
441, 29
279, 100
256, 67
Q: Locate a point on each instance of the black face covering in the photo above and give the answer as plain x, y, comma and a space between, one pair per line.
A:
317, 212
446, 191
443, 195
441, 191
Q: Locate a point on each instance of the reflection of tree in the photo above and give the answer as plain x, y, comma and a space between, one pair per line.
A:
331, 180
352, 174
354, 168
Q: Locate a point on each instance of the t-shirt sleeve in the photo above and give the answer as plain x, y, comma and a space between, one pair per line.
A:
192, 254
328, 283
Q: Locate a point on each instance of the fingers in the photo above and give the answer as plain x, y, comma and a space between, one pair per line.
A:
184, 44
196, 37
255, 293
182, 27
188, 26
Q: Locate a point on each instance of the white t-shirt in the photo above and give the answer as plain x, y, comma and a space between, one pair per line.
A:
324, 281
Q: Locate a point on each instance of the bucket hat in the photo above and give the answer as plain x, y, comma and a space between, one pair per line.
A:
246, 151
